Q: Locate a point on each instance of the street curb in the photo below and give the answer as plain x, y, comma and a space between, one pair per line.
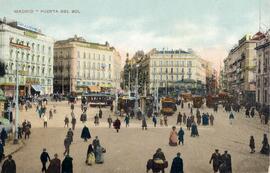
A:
18, 149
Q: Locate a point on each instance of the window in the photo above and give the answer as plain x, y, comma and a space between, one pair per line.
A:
84, 55
78, 64
265, 96
160, 63
78, 54
103, 57
89, 56
43, 48
189, 63
109, 66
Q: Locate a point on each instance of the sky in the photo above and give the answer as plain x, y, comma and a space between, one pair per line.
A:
210, 27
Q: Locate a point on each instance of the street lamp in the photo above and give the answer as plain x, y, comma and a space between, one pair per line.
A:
16, 102
136, 90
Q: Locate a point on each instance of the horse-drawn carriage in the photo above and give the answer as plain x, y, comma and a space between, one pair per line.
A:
197, 101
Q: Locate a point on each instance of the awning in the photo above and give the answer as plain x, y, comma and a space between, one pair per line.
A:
106, 85
94, 88
37, 88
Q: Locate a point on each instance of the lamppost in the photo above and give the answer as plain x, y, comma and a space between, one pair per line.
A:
16, 102
136, 106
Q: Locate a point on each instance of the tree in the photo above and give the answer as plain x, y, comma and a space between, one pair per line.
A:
2, 69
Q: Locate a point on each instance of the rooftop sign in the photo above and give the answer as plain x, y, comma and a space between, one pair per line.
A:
28, 27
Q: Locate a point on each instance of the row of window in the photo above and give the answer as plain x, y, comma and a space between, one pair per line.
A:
23, 80
30, 70
93, 65
172, 63
93, 56
90, 83
94, 75
34, 46
27, 57
170, 70
171, 77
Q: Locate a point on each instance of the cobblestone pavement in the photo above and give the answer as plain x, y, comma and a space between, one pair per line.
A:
129, 150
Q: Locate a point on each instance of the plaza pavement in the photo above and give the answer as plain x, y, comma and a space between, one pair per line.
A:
129, 150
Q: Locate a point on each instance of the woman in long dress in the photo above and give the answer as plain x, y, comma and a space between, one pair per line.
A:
90, 160
173, 137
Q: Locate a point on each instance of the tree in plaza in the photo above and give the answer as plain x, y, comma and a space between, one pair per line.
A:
2, 69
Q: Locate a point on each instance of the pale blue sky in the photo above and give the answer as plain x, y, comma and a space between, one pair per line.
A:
210, 27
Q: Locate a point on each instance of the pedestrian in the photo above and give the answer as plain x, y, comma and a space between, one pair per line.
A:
194, 130
99, 154
54, 109
73, 122
161, 120
2, 151
70, 134
177, 164
9, 165
67, 165
216, 158
154, 119
55, 165
100, 113
247, 113
252, 144
66, 120
181, 134
182, 104
173, 137
50, 114
265, 147
160, 159
211, 117
27, 132
188, 123
199, 119
179, 118
67, 144
112, 108
19, 132
252, 112
44, 157
90, 156
227, 161
45, 121
117, 124
184, 118
96, 143
127, 120
191, 111
3, 136
110, 121
144, 123
231, 117
72, 107
85, 133
165, 120
96, 121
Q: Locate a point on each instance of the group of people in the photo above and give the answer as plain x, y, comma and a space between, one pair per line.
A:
221, 163
95, 153
265, 145
159, 163
55, 165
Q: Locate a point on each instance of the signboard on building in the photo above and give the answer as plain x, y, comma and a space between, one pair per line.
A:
30, 34
28, 27
31, 81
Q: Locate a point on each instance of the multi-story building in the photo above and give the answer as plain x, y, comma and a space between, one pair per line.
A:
240, 68
263, 71
80, 64
170, 70
26, 49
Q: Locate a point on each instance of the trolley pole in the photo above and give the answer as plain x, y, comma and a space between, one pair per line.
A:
17, 105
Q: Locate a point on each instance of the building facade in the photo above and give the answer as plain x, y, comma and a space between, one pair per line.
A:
169, 70
25, 48
240, 68
263, 71
80, 64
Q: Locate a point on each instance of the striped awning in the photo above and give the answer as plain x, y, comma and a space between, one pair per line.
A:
37, 88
